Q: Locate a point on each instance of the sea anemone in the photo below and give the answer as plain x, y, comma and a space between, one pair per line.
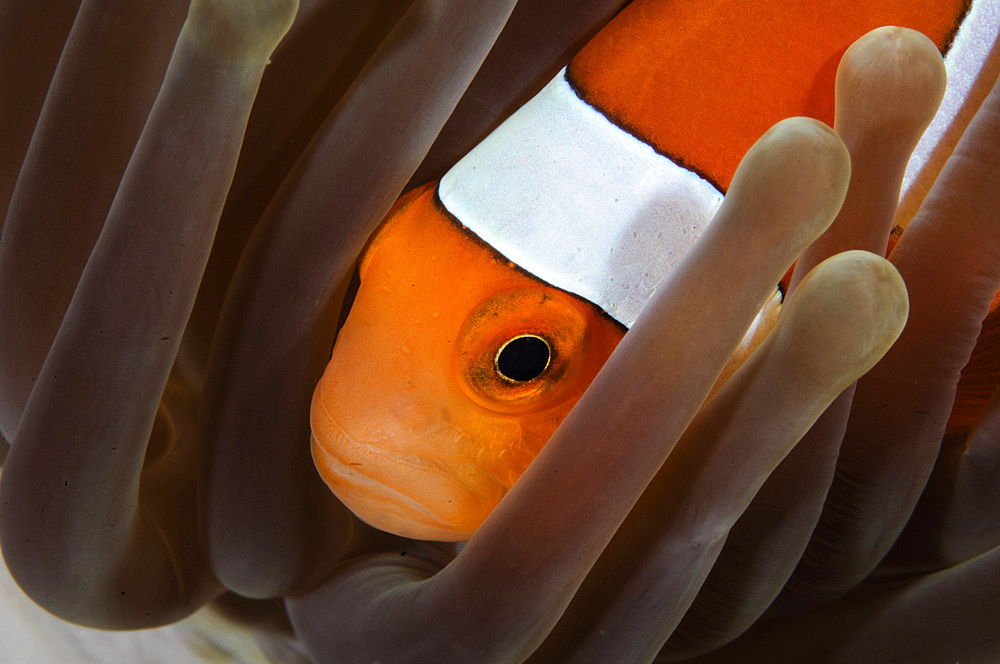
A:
185, 210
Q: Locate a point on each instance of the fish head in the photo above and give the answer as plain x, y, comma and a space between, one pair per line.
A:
452, 370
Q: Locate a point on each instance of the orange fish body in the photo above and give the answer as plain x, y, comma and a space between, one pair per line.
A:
489, 301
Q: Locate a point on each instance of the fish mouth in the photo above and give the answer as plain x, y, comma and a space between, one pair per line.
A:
408, 494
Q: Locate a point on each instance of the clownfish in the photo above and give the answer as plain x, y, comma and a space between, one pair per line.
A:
489, 300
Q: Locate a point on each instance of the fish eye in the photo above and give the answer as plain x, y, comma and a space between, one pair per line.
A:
523, 358
521, 349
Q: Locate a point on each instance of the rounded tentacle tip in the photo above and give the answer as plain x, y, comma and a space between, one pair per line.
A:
855, 303
242, 27
890, 82
796, 175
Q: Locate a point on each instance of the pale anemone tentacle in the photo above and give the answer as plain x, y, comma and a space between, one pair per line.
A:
967, 519
101, 94
901, 407
943, 616
335, 38
33, 32
957, 516
848, 312
974, 63
78, 533
889, 84
889, 87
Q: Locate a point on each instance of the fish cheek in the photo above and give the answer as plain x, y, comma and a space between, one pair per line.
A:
383, 424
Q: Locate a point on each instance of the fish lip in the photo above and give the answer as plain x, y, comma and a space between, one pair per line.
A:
420, 462
431, 521
443, 470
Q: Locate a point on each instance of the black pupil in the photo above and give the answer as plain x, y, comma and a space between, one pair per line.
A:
523, 359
